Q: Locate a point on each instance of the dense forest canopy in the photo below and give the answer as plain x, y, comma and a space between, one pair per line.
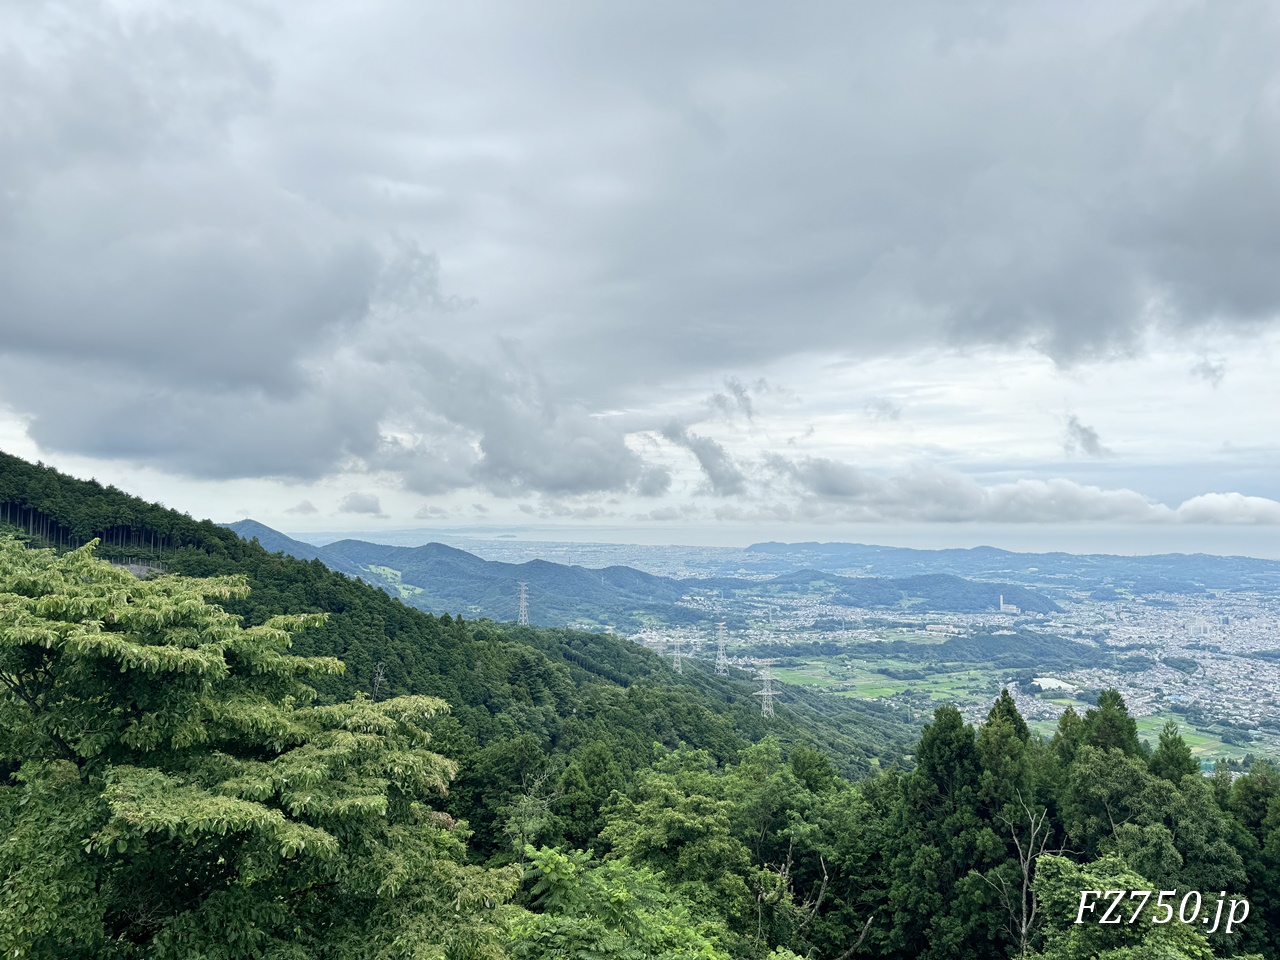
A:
253, 756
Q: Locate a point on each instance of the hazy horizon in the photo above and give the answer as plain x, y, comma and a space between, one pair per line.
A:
1068, 539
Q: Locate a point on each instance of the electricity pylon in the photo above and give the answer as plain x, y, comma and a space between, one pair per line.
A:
675, 658
722, 661
767, 694
523, 617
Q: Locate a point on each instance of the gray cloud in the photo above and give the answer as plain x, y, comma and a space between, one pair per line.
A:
131, 233
430, 512
1210, 371
551, 508
366, 503
723, 475
823, 477
655, 480
684, 512
735, 400
199, 431
882, 408
947, 201
829, 491
1083, 439
809, 431
222, 239
498, 424
303, 508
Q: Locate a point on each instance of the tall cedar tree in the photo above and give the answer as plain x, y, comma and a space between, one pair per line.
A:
173, 792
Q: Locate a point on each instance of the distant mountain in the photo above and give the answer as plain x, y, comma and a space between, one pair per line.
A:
273, 541
440, 578
1162, 573
940, 592
443, 579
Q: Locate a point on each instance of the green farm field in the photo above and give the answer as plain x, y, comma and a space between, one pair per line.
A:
970, 684
866, 680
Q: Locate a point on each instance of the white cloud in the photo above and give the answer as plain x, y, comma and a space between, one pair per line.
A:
1229, 508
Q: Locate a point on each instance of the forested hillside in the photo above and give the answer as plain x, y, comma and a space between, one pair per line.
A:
514, 689
326, 772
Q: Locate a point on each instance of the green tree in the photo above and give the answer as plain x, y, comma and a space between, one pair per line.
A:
935, 906
677, 822
585, 788
609, 911
174, 791
1059, 884
1007, 789
1172, 759
1109, 725
1068, 737
813, 769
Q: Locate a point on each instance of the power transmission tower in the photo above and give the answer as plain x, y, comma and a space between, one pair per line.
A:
722, 661
767, 694
675, 658
523, 617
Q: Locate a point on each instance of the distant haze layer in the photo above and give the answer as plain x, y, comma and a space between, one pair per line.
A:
1123, 540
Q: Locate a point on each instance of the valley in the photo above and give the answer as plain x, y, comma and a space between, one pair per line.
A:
1189, 638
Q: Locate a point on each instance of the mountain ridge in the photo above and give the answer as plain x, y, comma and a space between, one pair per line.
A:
439, 578
1153, 573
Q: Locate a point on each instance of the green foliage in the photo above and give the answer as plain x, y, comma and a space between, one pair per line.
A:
195, 768
1108, 725
177, 793
1172, 759
587, 910
1059, 883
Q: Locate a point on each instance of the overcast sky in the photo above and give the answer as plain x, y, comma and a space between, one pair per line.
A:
991, 272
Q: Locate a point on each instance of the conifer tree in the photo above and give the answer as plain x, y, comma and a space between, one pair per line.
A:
172, 790
1172, 759
1109, 724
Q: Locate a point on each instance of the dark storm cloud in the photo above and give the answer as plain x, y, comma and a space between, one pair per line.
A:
1083, 439
216, 220
724, 476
